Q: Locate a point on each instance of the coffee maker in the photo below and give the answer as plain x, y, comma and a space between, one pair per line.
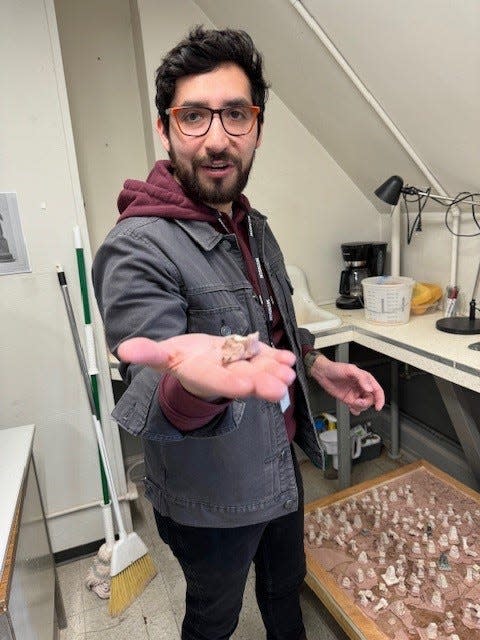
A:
363, 259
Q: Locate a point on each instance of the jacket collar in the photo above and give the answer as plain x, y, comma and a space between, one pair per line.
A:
205, 235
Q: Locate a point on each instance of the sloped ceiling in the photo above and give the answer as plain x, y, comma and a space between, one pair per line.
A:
419, 58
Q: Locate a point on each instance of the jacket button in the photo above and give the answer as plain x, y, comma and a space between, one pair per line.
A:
288, 503
283, 454
225, 330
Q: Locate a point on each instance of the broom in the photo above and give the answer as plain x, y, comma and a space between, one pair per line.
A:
98, 576
132, 567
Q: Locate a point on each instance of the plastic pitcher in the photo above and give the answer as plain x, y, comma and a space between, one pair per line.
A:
329, 440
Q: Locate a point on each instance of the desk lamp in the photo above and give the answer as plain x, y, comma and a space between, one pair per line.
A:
390, 192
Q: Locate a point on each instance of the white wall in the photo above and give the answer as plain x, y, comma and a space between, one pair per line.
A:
312, 204
39, 375
104, 103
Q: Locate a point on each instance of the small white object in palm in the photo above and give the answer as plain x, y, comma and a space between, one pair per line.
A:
238, 347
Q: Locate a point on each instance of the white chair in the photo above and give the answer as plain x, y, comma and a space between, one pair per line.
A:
309, 314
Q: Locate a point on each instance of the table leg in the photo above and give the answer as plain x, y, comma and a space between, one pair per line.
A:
464, 417
343, 429
394, 412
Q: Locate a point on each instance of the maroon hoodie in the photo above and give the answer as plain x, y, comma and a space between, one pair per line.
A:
162, 196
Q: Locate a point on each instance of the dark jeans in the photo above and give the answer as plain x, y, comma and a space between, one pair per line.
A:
216, 563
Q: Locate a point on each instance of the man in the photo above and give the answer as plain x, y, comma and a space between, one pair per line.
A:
190, 264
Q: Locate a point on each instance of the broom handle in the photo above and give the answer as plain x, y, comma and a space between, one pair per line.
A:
90, 345
96, 424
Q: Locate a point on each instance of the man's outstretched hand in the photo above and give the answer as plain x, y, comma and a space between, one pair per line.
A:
196, 360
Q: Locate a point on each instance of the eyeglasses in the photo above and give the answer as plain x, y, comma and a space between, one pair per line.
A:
196, 121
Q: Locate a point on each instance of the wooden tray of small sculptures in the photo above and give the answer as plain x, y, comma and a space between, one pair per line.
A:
398, 557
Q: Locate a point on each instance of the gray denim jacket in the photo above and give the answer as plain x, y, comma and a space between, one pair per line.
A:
158, 278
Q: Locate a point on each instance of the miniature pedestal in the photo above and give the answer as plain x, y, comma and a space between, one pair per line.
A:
376, 592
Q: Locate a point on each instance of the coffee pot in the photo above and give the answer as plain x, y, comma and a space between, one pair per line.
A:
362, 259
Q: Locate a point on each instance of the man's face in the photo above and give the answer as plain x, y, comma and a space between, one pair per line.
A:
213, 168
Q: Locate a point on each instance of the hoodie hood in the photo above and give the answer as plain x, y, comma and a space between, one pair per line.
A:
163, 197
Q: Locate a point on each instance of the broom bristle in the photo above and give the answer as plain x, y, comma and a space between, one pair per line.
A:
129, 584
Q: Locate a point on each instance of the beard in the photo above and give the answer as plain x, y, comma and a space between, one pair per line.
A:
213, 190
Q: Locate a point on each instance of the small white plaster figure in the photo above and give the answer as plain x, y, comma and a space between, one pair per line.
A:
393, 496
319, 540
389, 576
328, 522
338, 539
442, 581
399, 608
425, 538
450, 510
375, 495
445, 523
454, 637
381, 604
346, 582
377, 524
415, 590
469, 576
342, 516
431, 549
347, 527
363, 558
448, 624
432, 569
384, 539
311, 536
395, 517
371, 573
432, 631
401, 588
410, 502
363, 599
453, 535
443, 541
357, 521
421, 573
400, 491
382, 587
437, 599
318, 515
432, 500
353, 546
416, 548
360, 576
454, 552
381, 558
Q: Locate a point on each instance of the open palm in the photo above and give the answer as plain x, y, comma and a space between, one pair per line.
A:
196, 360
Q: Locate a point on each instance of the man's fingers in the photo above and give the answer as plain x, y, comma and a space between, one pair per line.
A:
266, 385
144, 351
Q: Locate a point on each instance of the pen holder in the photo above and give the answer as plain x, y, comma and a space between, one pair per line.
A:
452, 302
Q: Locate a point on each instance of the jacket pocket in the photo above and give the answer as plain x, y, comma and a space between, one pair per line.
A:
220, 321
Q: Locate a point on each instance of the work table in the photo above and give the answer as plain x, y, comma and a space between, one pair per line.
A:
446, 356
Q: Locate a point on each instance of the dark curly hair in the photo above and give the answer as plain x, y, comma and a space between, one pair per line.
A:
203, 50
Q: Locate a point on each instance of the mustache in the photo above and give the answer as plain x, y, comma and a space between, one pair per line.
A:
216, 157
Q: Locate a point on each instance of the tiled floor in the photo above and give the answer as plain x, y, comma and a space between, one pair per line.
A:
157, 614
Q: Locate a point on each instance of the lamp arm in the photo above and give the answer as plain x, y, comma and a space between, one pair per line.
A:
413, 191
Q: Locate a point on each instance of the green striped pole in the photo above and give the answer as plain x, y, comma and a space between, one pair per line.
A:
93, 372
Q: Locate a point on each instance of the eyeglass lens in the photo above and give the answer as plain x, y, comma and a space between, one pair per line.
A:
197, 120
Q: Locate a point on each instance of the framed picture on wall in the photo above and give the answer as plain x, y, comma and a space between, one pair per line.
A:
13, 251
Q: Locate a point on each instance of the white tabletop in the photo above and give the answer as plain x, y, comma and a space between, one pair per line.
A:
15, 450
417, 342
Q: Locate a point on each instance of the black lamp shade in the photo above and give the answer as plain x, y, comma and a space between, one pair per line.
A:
390, 190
